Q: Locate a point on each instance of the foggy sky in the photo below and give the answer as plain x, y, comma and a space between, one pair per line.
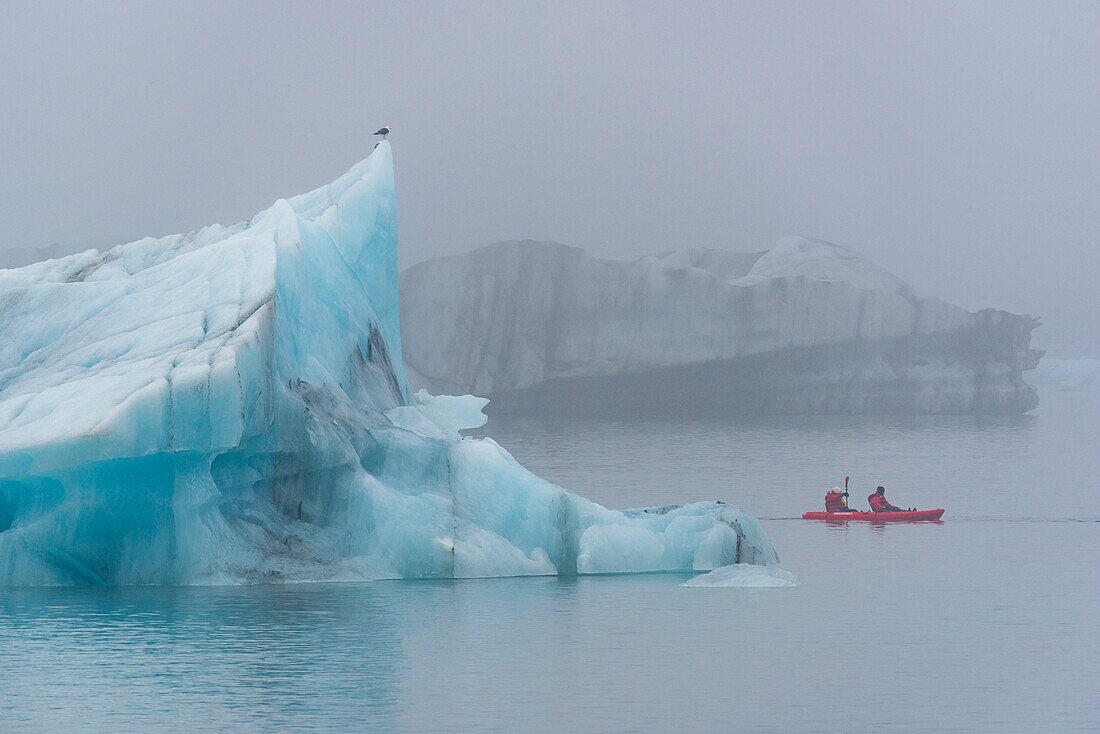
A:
957, 144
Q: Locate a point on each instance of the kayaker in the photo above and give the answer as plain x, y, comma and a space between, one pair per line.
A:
836, 500
878, 501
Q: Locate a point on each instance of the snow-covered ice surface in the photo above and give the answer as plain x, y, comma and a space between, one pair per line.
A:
230, 406
805, 327
743, 575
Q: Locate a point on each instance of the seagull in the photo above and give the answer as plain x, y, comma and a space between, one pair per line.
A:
383, 131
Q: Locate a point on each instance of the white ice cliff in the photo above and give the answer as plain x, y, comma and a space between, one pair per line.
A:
230, 406
805, 327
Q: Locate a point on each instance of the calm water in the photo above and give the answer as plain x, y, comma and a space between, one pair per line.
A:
989, 621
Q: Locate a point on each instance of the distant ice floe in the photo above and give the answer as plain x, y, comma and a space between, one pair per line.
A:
744, 575
1067, 374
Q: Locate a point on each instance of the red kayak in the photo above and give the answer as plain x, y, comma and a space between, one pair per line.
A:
902, 516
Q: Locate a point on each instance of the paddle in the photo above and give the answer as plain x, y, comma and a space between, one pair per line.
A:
846, 493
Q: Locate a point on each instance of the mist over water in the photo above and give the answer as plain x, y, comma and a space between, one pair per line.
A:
981, 623
953, 144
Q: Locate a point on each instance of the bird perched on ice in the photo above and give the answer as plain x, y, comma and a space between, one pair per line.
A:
383, 131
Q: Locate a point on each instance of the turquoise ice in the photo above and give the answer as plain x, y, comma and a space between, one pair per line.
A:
231, 406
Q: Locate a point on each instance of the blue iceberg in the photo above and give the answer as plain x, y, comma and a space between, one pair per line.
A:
230, 406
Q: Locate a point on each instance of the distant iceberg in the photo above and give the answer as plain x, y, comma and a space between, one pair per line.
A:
805, 327
230, 406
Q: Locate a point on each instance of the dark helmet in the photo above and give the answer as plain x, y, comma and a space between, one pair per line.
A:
880, 489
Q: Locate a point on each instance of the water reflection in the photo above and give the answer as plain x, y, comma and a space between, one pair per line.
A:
257, 654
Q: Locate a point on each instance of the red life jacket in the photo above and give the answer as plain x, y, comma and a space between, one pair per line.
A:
878, 503
834, 501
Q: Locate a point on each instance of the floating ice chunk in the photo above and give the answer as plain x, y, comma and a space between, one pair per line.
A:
744, 575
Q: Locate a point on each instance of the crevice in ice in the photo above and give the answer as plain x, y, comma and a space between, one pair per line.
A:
83, 273
241, 321
170, 408
566, 525
454, 515
7, 514
378, 353
859, 314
